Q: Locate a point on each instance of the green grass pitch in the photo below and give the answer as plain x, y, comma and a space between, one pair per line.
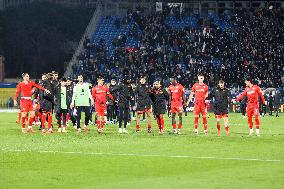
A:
113, 160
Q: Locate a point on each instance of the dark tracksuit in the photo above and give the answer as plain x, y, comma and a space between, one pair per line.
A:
159, 98
221, 100
124, 98
112, 106
270, 104
46, 100
277, 102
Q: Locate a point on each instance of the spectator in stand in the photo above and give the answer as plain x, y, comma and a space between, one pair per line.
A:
246, 42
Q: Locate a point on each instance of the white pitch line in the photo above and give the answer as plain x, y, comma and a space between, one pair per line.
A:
149, 155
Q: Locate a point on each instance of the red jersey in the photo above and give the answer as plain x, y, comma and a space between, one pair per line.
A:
100, 93
252, 95
200, 91
26, 89
176, 92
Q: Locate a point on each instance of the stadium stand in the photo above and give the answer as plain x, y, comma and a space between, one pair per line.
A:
227, 46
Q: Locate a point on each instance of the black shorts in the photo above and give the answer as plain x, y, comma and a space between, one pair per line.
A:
142, 107
45, 106
221, 111
158, 110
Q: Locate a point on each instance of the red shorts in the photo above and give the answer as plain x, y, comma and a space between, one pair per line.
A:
37, 114
252, 110
147, 110
200, 108
26, 105
176, 107
221, 115
101, 110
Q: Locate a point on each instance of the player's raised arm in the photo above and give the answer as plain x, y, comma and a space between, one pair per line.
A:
242, 96
40, 87
115, 88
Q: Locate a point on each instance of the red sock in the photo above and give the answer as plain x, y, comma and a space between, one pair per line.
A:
158, 122
250, 122
149, 126
257, 122
137, 127
19, 117
43, 120
49, 121
227, 128
179, 126
174, 126
31, 120
218, 126
59, 124
36, 119
99, 123
67, 118
23, 122
162, 122
205, 122
195, 122
102, 124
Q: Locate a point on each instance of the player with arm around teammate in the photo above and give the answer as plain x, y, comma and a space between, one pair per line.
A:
252, 92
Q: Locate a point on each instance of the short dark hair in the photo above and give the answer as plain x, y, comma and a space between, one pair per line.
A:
100, 77
49, 75
24, 74
160, 81
200, 74
221, 81
248, 79
143, 76
63, 79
